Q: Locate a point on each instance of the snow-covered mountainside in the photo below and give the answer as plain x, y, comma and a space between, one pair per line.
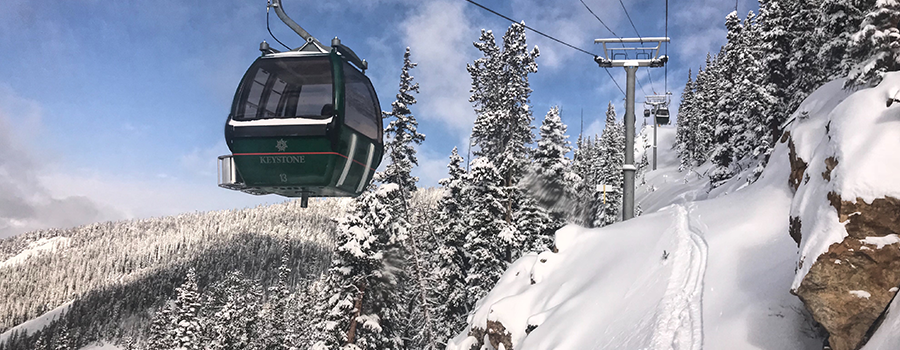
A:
699, 269
116, 273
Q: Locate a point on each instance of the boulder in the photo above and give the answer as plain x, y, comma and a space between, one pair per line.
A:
848, 287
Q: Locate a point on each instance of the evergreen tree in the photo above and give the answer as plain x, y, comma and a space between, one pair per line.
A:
360, 295
236, 323
685, 129
488, 232
402, 133
502, 130
551, 166
836, 23
450, 294
277, 333
704, 115
776, 40
727, 125
608, 203
185, 319
805, 47
876, 46
753, 142
159, 336
63, 340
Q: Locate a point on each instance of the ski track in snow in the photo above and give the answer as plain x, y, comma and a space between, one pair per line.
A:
679, 324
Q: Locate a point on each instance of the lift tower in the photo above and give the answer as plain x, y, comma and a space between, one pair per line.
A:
659, 109
642, 55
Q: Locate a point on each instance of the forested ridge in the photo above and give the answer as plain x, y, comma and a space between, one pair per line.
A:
119, 271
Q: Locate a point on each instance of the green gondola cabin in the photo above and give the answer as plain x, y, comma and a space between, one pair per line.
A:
303, 124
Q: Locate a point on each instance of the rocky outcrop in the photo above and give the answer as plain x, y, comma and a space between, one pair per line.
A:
798, 166
848, 288
496, 334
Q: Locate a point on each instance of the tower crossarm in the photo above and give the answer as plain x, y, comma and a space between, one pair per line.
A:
649, 46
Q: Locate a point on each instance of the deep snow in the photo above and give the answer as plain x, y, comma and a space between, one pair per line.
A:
690, 273
706, 269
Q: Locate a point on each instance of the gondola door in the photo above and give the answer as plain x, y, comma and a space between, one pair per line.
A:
360, 137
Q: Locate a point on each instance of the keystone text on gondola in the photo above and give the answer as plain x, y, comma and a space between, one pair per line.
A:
281, 159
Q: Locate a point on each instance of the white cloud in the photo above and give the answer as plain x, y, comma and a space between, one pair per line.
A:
25, 203
152, 196
432, 167
568, 21
202, 162
440, 36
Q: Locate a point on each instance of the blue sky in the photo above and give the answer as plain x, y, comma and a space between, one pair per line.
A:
112, 110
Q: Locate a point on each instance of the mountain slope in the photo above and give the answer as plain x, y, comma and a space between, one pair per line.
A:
711, 274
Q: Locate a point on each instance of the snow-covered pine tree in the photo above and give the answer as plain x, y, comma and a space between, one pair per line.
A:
608, 205
187, 332
360, 295
62, 338
550, 168
775, 26
876, 46
581, 191
643, 165
754, 141
685, 130
402, 132
705, 99
488, 232
41, 344
502, 130
236, 323
159, 335
277, 333
836, 23
450, 292
423, 326
727, 125
804, 51
535, 225
402, 137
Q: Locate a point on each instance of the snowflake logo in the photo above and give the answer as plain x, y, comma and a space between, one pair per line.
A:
281, 145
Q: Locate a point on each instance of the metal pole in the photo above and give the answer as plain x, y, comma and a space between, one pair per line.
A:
628, 168
655, 125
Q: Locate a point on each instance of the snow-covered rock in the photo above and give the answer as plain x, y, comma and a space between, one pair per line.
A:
845, 144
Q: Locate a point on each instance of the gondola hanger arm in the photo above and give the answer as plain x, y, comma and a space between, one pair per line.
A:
279, 10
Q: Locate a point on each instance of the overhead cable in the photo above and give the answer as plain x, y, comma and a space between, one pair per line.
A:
629, 19
532, 29
614, 80
549, 37
601, 21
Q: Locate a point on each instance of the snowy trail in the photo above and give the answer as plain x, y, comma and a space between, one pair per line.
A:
698, 230
679, 324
